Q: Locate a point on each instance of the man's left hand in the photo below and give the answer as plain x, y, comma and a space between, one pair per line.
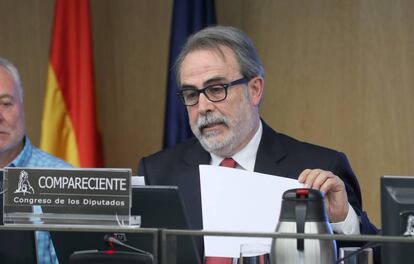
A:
336, 199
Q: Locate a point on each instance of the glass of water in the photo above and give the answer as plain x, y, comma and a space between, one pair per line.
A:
254, 253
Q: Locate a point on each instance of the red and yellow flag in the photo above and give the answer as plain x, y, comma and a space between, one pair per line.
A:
69, 127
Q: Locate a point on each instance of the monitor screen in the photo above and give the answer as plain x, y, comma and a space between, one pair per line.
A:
397, 216
162, 207
158, 206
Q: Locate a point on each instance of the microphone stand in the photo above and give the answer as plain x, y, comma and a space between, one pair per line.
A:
111, 240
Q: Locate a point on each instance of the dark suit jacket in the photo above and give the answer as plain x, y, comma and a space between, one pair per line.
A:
278, 154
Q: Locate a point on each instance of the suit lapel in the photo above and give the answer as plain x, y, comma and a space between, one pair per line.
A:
271, 153
196, 155
189, 181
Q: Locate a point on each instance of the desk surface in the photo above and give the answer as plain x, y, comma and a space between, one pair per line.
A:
179, 232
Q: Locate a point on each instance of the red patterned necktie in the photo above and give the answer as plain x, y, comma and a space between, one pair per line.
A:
230, 163
218, 260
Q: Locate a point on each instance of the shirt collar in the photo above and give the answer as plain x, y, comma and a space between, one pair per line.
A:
245, 158
24, 155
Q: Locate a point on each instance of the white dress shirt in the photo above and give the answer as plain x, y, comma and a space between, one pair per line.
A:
246, 159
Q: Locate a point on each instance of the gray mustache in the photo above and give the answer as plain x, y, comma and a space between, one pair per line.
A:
207, 120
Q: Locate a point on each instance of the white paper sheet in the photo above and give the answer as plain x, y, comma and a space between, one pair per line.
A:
137, 181
239, 200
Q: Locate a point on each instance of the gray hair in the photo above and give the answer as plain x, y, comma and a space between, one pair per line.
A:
213, 38
15, 75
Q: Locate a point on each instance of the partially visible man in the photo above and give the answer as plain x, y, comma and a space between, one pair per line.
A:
17, 151
222, 85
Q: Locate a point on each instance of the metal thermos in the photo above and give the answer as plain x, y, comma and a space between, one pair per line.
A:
303, 211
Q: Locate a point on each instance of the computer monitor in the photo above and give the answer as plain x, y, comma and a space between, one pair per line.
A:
397, 215
158, 206
162, 207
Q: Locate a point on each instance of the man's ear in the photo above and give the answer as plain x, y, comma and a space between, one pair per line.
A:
256, 87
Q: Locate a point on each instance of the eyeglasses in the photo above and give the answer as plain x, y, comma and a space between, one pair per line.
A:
214, 92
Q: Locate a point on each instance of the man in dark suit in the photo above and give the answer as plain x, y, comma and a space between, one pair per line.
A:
222, 84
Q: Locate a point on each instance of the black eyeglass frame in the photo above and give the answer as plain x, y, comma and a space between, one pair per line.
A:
225, 86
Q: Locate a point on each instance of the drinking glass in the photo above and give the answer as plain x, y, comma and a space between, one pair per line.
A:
365, 256
254, 253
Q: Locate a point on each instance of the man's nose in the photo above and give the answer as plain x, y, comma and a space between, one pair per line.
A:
204, 105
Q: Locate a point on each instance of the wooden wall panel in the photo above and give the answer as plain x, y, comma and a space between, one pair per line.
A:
339, 74
131, 40
25, 28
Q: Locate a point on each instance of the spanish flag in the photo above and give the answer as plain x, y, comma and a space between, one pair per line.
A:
69, 127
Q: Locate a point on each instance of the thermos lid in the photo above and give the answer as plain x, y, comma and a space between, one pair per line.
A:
312, 199
302, 194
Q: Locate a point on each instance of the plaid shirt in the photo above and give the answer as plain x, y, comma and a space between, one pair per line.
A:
34, 157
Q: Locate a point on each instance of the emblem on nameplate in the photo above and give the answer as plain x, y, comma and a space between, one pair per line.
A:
410, 226
24, 186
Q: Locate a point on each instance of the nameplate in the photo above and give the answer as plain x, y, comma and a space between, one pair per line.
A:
67, 196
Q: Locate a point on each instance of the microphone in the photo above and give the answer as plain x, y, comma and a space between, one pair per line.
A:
112, 240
